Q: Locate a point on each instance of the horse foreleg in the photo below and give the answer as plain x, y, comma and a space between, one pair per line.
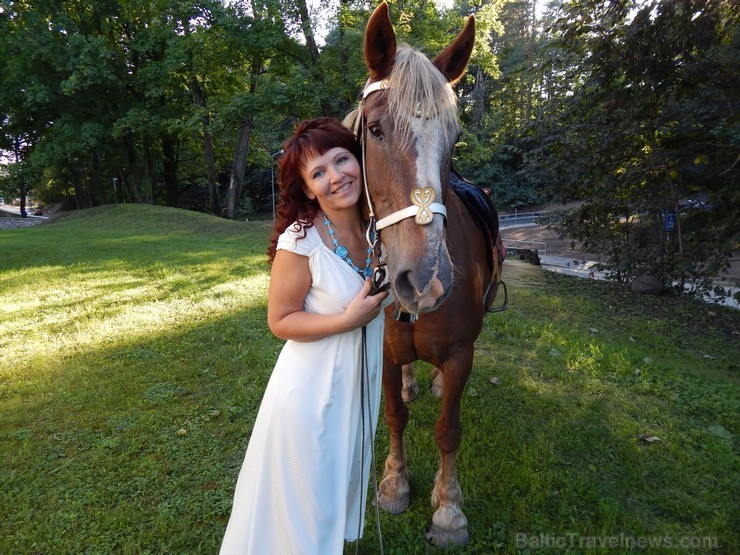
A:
410, 387
449, 524
393, 492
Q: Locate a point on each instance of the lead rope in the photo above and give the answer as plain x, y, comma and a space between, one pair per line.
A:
371, 235
365, 390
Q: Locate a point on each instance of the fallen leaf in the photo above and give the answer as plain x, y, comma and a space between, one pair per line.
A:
472, 392
649, 439
495, 381
182, 432
593, 331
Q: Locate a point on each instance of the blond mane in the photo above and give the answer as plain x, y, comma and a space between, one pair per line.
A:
417, 89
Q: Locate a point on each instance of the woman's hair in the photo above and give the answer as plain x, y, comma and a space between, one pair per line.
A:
311, 138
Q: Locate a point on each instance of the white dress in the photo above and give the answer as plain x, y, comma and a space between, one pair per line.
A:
299, 490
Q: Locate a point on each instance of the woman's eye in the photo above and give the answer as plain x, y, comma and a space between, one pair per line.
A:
342, 159
318, 174
375, 130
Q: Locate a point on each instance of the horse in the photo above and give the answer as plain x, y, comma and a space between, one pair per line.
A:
441, 266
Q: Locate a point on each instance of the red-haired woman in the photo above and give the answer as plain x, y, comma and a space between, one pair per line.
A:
300, 489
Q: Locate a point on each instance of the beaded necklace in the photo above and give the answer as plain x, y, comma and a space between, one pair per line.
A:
342, 251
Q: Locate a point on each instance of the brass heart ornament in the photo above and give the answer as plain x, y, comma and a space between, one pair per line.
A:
423, 197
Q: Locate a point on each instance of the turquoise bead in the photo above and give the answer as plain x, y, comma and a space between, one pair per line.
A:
342, 252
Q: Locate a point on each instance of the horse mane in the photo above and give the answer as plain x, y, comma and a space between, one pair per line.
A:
416, 89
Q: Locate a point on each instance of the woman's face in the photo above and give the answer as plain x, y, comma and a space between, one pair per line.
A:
333, 178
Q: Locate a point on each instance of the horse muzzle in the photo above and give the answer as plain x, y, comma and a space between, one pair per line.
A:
422, 285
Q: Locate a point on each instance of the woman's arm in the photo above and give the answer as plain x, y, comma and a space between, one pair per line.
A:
290, 281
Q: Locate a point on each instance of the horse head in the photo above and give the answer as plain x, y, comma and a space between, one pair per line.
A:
408, 124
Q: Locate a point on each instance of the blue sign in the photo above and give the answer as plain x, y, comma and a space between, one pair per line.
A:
670, 221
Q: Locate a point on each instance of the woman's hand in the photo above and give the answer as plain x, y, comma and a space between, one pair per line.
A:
364, 308
289, 284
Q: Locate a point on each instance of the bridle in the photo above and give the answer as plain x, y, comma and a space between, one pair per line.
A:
423, 206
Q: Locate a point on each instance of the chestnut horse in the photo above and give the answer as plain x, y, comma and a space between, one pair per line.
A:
438, 261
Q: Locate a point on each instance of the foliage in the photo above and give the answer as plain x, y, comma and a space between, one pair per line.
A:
136, 351
648, 124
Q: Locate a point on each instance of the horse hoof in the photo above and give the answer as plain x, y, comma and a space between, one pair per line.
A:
410, 393
393, 496
446, 538
449, 527
436, 389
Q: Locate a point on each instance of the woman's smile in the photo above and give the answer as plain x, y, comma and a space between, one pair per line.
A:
343, 188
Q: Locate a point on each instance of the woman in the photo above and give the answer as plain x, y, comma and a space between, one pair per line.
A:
300, 489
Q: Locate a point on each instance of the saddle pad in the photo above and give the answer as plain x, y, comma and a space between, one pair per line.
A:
481, 208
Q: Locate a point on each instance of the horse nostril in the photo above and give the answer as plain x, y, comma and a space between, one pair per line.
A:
402, 285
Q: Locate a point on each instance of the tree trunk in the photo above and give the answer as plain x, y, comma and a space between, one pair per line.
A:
479, 99
313, 51
98, 196
199, 96
169, 155
149, 172
238, 169
210, 153
133, 169
24, 213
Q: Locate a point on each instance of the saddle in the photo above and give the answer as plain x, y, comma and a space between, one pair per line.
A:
484, 214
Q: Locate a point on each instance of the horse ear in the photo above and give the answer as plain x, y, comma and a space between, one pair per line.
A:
454, 59
380, 43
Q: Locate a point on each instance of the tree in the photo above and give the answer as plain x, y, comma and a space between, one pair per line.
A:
643, 129
499, 100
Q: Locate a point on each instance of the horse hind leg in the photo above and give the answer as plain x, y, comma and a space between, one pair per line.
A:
410, 388
437, 387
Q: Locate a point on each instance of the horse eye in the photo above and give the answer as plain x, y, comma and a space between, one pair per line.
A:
375, 130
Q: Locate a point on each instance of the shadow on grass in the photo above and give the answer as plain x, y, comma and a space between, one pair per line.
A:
123, 443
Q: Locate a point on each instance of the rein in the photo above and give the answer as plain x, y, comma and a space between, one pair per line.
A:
365, 392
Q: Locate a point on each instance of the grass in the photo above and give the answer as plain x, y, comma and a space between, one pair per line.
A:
134, 352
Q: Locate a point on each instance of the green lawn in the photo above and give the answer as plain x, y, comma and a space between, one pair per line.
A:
134, 352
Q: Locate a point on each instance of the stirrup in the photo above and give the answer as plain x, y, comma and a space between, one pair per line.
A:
486, 303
